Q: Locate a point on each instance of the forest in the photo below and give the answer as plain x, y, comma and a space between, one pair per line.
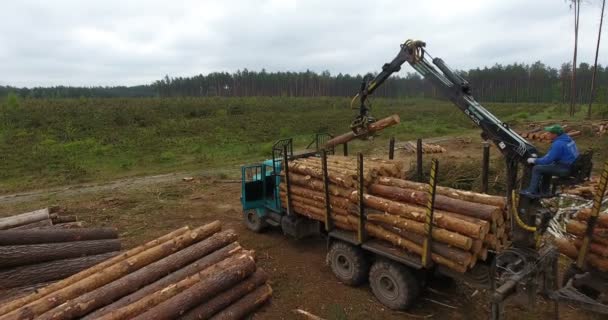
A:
500, 83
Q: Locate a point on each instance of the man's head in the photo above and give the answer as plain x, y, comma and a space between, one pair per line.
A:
554, 131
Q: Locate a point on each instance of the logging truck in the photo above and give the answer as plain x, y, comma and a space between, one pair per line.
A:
394, 275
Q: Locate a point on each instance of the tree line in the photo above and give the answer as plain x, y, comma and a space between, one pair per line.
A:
500, 83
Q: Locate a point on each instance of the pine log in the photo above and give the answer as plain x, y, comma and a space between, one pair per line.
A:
597, 248
113, 272
34, 225
206, 309
341, 180
440, 218
585, 213
43, 292
484, 225
65, 225
382, 167
20, 237
458, 255
481, 211
24, 218
439, 234
48, 271
567, 248
317, 196
373, 127
208, 282
317, 185
114, 290
63, 219
340, 168
305, 202
579, 228
497, 201
183, 273
381, 233
19, 255
246, 304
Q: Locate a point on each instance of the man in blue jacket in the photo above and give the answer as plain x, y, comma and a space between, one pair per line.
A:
557, 162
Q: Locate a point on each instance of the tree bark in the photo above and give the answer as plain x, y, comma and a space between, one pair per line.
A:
477, 210
220, 302
20, 237
65, 225
112, 272
579, 229
24, 218
414, 213
316, 196
317, 185
584, 215
567, 248
246, 304
63, 219
209, 282
48, 271
597, 248
19, 255
34, 225
306, 202
497, 201
43, 292
114, 290
187, 271
441, 235
341, 180
373, 127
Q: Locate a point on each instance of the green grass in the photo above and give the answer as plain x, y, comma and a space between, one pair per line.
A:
54, 142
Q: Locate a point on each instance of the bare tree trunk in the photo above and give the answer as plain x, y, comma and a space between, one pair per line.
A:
597, 50
577, 6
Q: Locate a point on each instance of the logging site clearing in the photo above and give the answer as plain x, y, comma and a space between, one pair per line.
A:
144, 208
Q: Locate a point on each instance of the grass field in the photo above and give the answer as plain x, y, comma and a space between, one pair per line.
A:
54, 142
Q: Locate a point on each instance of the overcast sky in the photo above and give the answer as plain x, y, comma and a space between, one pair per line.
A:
120, 42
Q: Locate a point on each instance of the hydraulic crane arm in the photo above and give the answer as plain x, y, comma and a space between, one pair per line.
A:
457, 90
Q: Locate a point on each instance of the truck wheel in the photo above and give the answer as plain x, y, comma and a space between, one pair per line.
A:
393, 284
253, 221
348, 263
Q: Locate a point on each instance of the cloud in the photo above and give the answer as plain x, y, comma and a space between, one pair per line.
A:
133, 42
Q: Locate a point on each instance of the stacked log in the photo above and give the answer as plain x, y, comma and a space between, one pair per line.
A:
37, 247
426, 147
189, 274
576, 228
586, 190
466, 225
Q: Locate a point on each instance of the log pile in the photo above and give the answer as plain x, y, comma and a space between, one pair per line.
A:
187, 274
40, 246
586, 190
466, 225
570, 244
538, 134
426, 147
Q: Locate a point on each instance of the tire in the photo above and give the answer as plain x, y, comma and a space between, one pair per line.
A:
348, 263
253, 221
393, 285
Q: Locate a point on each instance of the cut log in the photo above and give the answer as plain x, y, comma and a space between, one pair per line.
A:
477, 210
579, 228
208, 308
114, 290
20, 237
383, 234
24, 218
458, 255
597, 248
317, 196
585, 214
448, 192
34, 225
48, 271
20, 255
567, 248
208, 283
373, 127
43, 292
305, 202
341, 180
246, 305
65, 225
63, 219
409, 212
187, 271
113, 272
317, 185
441, 235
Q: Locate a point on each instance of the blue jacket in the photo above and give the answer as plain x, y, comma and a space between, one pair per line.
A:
563, 151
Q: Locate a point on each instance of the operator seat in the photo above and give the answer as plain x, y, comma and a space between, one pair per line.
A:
579, 173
